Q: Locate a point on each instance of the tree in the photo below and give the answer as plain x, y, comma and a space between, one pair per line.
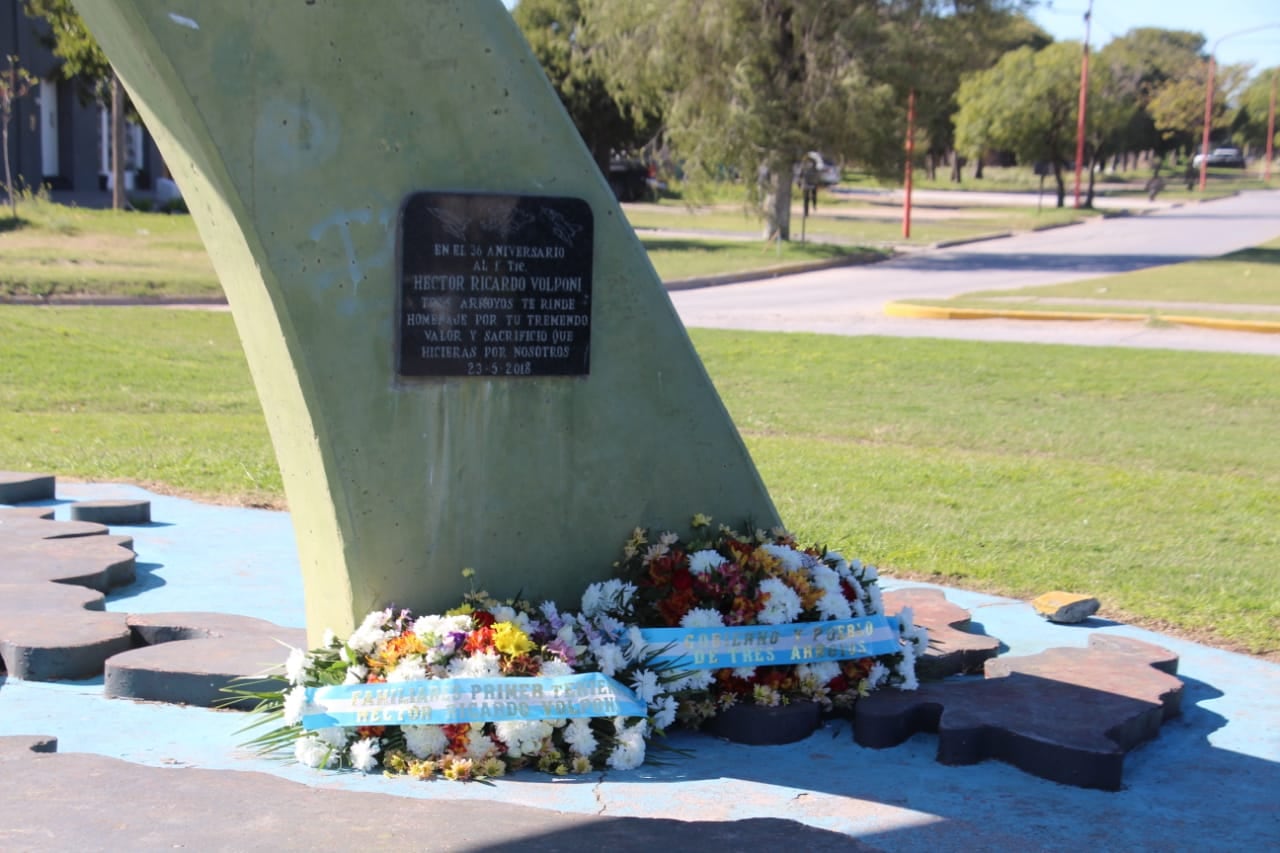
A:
1255, 105
84, 62
1177, 107
554, 31
1028, 104
15, 83
748, 87
1141, 62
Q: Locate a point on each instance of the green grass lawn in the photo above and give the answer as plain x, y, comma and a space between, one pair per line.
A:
1243, 285
60, 250
1143, 477
676, 259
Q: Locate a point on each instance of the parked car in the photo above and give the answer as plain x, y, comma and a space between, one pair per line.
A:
1229, 158
825, 172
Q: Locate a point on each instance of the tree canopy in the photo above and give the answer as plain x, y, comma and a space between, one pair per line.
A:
554, 30
1028, 104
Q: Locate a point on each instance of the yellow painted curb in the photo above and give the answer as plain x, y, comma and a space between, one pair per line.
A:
934, 312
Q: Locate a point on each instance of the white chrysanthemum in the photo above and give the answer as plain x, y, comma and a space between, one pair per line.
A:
744, 672
702, 617
352, 677
605, 596
336, 736
701, 562
579, 737
906, 670
876, 601
609, 626
645, 683
330, 639
868, 573
295, 703
877, 675
789, 557
295, 668
833, 605
628, 750
364, 754
653, 552
825, 577
782, 605
408, 669
636, 646
858, 608
819, 672
665, 714
425, 741
370, 632
555, 668
479, 746
906, 620
668, 538
841, 564
609, 658
522, 737
698, 679
550, 612
483, 665
314, 752
430, 626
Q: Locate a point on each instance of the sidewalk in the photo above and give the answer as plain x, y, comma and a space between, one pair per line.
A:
140, 775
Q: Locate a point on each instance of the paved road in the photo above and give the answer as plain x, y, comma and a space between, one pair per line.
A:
850, 300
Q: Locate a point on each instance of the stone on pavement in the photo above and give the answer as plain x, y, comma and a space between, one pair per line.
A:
112, 511
17, 487
1065, 607
189, 658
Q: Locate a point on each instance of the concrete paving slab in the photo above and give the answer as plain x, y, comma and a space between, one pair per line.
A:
1207, 782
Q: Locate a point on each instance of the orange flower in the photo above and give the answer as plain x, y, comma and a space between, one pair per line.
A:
479, 640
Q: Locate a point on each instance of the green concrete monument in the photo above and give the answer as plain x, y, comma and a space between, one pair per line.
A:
464, 356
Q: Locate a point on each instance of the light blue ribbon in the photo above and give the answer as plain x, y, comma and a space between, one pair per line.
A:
443, 701
771, 645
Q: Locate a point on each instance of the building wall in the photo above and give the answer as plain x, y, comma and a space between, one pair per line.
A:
77, 124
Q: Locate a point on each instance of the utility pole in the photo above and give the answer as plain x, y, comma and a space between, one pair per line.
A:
1084, 101
1208, 98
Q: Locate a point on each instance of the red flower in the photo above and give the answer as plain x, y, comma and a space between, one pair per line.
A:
457, 735
483, 618
371, 731
479, 640
682, 579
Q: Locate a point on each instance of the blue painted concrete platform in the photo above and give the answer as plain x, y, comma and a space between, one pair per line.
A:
1209, 782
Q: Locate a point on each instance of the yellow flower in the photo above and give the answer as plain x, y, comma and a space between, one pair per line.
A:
700, 520
510, 640
460, 610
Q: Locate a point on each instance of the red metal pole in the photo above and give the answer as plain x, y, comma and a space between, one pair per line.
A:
911, 152
1208, 116
1084, 102
1271, 125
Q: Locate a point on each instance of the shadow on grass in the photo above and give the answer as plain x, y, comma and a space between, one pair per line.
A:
1255, 255
12, 223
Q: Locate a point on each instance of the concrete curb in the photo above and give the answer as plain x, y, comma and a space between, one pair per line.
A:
932, 312
981, 238
771, 272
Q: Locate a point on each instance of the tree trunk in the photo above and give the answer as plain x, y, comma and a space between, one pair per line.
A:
117, 143
1062, 184
977, 168
957, 164
1093, 161
776, 202
8, 175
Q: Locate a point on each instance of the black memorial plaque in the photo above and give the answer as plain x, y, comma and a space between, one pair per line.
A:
494, 285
